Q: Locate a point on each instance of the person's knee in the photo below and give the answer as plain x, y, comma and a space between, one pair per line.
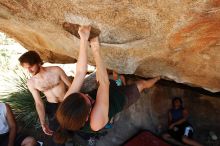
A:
140, 85
29, 141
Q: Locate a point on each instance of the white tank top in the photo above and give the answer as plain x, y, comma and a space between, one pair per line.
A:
3, 121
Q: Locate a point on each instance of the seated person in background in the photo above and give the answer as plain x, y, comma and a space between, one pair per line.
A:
91, 112
8, 136
119, 79
180, 130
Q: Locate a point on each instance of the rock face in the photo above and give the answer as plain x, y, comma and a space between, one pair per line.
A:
179, 40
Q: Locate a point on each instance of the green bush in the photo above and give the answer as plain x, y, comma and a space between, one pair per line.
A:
17, 95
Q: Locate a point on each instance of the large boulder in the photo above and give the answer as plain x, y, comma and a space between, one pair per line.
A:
178, 40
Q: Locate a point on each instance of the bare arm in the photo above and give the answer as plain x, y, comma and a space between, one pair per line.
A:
170, 118
81, 65
12, 126
115, 75
123, 79
40, 108
99, 114
185, 117
64, 77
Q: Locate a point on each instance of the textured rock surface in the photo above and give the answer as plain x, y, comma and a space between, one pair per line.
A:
179, 40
